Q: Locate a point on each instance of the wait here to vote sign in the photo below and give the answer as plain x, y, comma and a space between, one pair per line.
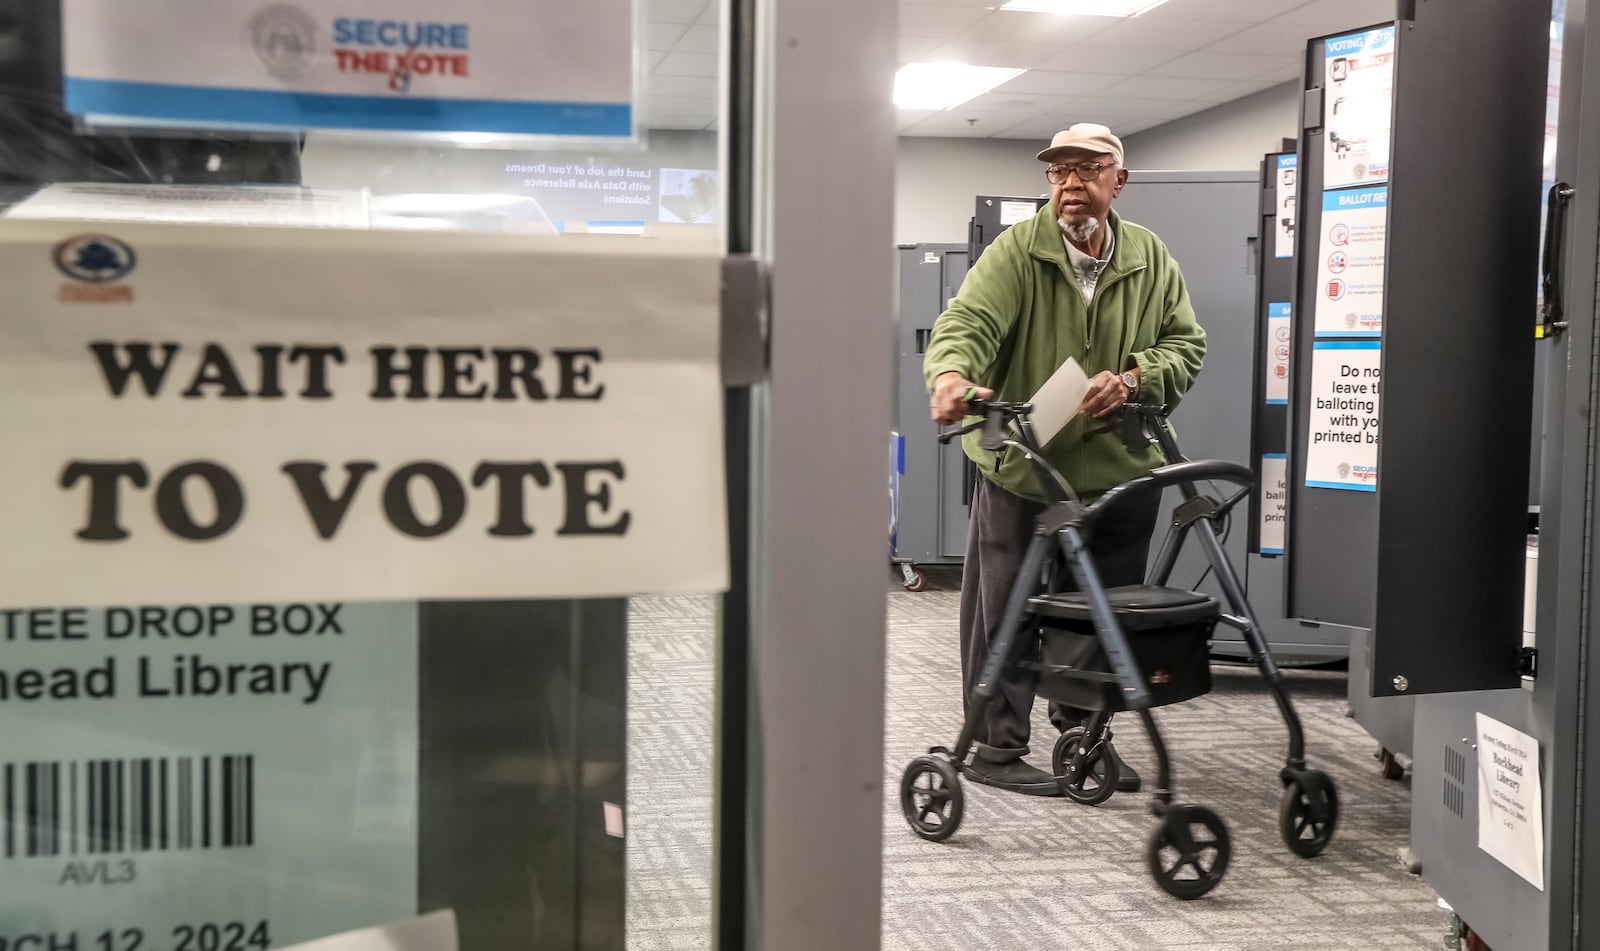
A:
289, 415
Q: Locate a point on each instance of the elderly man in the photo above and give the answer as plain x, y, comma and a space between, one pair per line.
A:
1078, 281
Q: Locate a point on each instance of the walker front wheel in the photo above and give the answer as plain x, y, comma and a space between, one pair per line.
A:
931, 798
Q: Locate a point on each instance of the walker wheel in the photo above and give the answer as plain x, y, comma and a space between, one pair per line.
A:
1309, 813
1188, 852
931, 798
919, 582
1096, 778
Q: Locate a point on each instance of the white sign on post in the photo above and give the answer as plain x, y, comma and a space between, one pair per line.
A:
1280, 340
1350, 262
1274, 495
476, 66
1343, 433
1287, 187
1510, 799
160, 765
295, 415
1358, 108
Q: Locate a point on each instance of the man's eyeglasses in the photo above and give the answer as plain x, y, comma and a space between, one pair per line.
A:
1087, 172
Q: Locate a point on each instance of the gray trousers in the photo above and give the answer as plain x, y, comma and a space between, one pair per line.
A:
1001, 527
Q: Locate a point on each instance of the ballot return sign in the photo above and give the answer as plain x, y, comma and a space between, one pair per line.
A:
290, 416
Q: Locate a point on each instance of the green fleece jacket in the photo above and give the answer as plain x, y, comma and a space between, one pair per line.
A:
1019, 316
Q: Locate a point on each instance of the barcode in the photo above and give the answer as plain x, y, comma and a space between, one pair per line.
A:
110, 806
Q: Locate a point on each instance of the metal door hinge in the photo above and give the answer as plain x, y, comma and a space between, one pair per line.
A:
746, 304
1528, 662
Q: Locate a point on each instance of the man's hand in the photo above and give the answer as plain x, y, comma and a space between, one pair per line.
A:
949, 402
1106, 393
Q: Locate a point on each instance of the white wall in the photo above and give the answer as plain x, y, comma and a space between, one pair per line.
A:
1228, 137
937, 179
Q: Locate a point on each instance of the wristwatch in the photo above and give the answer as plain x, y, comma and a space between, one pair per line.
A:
1131, 382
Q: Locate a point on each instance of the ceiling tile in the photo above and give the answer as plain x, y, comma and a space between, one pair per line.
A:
915, 48
1117, 107
653, 58
680, 105
937, 22
1020, 104
978, 53
688, 64
1125, 61
1270, 39
906, 118
1010, 27
662, 36
1168, 34
1052, 83
698, 87
1253, 10
699, 39
943, 125
693, 123
1164, 87
712, 14
674, 11
1235, 66
1336, 15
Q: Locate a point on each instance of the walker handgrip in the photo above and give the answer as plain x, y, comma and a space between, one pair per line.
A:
958, 433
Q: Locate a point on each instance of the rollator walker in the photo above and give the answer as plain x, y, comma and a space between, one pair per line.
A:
1127, 648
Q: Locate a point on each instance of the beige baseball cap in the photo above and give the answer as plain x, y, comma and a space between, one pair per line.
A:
1083, 137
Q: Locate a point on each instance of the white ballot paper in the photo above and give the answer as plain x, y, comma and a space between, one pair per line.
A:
1510, 799
435, 932
1058, 400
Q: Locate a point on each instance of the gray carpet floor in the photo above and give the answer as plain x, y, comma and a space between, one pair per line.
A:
1029, 874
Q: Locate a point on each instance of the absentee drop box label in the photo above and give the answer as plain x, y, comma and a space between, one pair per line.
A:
206, 778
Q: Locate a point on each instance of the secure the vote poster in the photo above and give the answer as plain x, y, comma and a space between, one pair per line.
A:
1351, 255
1342, 450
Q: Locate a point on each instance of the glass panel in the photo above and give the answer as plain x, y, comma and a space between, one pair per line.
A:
481, 757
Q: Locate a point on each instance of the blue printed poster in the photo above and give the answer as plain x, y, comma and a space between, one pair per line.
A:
1358, 108
472, 66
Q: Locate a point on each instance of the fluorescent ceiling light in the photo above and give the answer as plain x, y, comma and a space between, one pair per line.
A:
1085, 8
940, 86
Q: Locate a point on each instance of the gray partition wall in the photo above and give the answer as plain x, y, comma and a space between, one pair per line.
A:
1432, 560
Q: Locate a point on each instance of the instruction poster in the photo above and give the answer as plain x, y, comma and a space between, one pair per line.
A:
1510, 799
1286, 186
1280, 334
1274, 497
1342, 451
269, 416
158, 763
1358, 108
562, 69
1350, 262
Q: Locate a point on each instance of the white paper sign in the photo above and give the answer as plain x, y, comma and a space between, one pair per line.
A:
1058, 400
1358, 108
1343, 435
1280, 337
173, 773
1016, 212
1350, 262
1274, 497
1510, 800
1286, 187
288, 415
375, 65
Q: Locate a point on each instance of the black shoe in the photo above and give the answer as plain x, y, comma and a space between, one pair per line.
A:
1127, 779
1013, 776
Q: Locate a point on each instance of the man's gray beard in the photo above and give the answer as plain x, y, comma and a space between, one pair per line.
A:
1079, 233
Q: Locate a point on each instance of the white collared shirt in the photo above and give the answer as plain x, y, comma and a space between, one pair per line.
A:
1086, 269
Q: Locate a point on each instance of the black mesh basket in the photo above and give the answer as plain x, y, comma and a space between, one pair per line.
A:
1175, 663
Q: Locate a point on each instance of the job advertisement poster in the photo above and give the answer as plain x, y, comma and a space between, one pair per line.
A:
1510, 799
1280, 336
1286, 187
1351, 257
219, 776
1274, 498
469, 66
1358, 108
287, 415
1342, 439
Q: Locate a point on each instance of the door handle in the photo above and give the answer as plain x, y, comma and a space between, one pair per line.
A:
1552, 317
923, 336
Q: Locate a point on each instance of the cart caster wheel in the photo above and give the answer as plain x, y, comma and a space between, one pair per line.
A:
931, 798
1392, 770
1309, 814
1098, 773
916, 580
1188, 852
